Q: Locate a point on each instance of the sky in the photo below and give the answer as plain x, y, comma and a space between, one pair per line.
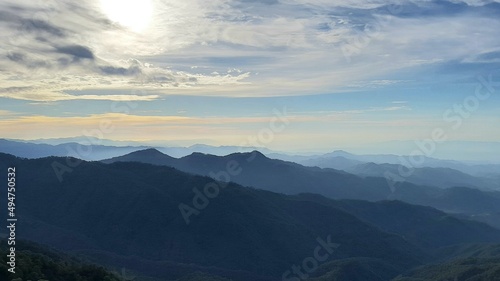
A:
291, 75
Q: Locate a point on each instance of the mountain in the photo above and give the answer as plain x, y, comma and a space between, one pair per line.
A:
255, 169
335, 162
378, 158
154, 156
440, 177
423, 226
330, 160
491, 218
95, 149
90, 151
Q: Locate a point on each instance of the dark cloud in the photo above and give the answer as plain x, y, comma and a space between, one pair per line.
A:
6, 16
34, 26
77, 52
120, 71
64, 62
490, 56
162, 79
37, 26
27, 61
15, 89
16, 57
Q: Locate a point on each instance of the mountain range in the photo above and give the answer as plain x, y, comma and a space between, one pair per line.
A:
434, 172
256, 170
129, 214
437, 176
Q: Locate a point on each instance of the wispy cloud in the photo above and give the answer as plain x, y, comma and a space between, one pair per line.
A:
58, 46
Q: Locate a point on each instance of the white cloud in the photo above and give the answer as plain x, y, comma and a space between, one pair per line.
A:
297, 47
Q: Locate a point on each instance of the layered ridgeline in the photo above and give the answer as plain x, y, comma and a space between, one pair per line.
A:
165, 224
430, 176
255, 169
344, 160
429, 171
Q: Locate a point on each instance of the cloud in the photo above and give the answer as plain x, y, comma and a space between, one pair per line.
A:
17, 57
289, 47
37, 26
486, 57
111, 70
76, 51
5, 113
376, 83
53, 96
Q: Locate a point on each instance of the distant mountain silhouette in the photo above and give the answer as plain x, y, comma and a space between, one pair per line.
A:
440, 177
340, 160
90, 151
334, 162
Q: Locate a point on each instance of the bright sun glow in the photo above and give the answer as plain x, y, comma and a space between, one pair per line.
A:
133, 14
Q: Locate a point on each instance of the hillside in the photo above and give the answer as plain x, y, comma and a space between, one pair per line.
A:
35, 262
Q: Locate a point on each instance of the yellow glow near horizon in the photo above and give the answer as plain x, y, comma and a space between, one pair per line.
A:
136, 15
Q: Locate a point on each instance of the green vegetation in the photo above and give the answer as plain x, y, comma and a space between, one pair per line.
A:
39, 264
472, 269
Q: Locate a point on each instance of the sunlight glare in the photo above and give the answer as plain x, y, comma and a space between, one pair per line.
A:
135, 15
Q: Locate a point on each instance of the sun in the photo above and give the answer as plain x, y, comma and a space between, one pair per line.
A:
135, 15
